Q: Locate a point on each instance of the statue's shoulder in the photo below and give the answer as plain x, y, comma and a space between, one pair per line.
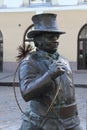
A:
30, 59
30, 56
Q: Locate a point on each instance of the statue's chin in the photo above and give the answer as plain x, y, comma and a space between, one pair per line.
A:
51, 51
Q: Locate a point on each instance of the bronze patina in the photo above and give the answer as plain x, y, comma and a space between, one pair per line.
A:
46, 81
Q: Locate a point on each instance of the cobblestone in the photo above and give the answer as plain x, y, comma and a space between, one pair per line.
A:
10, 115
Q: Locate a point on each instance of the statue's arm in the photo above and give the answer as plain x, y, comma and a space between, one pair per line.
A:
32, 83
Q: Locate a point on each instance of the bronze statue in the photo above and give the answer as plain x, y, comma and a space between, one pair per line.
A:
46, 81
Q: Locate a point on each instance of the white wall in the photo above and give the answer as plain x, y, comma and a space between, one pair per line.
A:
67, 2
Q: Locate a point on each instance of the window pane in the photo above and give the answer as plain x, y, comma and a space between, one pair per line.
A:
86, 32
83, 33
37, 1
81, 45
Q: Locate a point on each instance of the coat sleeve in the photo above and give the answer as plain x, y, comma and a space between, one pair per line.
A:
32, 83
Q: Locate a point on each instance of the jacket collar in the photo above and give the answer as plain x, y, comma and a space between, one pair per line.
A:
54, 56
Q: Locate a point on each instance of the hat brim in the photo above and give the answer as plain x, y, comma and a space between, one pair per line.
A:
33, 33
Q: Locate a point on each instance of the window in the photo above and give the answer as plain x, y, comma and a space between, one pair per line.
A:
82, 48
37, 1
82, 1
83, 33
23, 3
1, 51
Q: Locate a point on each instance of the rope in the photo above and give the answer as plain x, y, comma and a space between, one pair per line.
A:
53, 101
15, 89
30, 27
51, 105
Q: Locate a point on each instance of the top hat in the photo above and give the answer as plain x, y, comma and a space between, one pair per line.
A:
44, 23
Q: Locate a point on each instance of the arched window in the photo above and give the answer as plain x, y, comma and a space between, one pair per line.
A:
82, 48
1, 51
26, 40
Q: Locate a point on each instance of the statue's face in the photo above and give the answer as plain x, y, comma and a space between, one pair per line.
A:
47, 41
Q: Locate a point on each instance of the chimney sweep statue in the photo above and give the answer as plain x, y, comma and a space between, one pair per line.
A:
46, 80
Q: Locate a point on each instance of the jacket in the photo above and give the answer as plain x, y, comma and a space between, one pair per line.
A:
39, 88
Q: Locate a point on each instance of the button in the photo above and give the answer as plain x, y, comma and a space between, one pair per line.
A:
63, 102
68, 72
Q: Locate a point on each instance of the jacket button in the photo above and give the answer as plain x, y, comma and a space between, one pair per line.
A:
63, 102
68, 72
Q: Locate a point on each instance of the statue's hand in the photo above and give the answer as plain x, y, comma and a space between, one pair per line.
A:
56, 69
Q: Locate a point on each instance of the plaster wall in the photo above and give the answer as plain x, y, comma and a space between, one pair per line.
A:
13, 26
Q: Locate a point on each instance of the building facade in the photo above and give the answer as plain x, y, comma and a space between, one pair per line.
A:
72, 18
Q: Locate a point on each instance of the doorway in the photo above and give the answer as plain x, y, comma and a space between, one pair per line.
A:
1, 52
82, 48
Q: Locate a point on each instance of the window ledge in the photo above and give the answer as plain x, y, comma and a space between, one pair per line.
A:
44, 8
